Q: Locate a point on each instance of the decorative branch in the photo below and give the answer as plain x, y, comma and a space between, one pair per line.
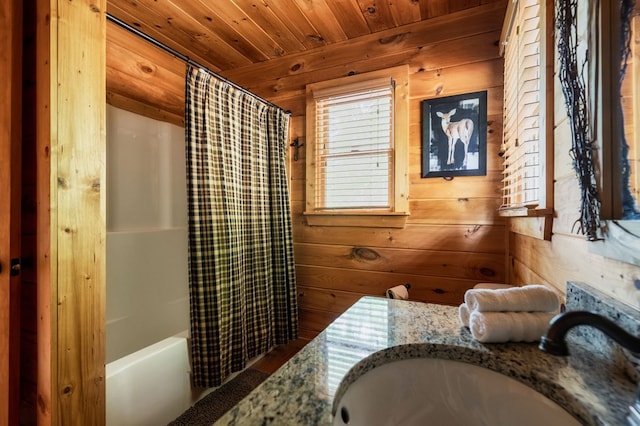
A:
576, 102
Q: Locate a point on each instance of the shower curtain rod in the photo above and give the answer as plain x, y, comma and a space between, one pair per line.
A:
186, 59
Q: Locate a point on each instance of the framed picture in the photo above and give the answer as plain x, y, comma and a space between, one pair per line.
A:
454, 136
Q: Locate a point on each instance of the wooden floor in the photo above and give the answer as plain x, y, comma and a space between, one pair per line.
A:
271, 361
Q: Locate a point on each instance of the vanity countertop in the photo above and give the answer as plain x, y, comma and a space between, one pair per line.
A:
587, 383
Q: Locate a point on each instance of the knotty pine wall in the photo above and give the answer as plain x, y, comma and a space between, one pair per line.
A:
453, 238
568, 256
10, 209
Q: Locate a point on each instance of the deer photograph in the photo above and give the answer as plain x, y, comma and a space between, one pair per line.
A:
456, 131
454, 135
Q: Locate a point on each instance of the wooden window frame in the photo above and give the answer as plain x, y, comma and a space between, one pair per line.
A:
394, 217
544, 208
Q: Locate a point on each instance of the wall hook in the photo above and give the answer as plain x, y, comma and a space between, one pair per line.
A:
296, 144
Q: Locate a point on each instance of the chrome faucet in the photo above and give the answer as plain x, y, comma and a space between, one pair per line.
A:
554, 342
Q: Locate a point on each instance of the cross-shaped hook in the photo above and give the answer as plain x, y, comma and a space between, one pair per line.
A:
296, 144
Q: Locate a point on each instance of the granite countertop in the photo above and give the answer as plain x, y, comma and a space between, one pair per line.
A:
587, 383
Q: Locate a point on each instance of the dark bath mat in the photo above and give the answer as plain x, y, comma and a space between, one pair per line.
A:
214, 405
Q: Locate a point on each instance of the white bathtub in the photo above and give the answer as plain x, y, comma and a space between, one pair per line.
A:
150, 386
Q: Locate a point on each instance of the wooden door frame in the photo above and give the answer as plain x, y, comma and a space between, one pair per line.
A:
10, 169
71, 197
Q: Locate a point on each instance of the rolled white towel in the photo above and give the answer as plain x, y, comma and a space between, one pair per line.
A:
498, 327
463, 309
529, 298
463, 314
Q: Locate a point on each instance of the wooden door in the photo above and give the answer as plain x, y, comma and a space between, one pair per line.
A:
10, 157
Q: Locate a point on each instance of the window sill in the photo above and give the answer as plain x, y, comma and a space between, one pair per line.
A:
525, 212
535, 223
360, 219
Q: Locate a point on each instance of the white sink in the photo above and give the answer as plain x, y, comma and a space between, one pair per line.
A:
429, 391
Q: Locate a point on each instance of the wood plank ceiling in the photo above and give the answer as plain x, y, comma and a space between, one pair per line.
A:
228, 34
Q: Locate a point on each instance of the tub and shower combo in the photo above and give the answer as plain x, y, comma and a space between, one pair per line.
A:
147, 354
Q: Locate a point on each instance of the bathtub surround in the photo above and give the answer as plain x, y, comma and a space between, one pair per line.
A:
590, 385
241, 270
147, 295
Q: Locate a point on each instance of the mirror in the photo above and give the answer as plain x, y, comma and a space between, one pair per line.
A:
599, 71
618, 73
629, 111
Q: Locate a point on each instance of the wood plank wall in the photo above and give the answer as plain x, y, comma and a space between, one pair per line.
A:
453, 239
10, 217
63, 214
569, 256
70, 111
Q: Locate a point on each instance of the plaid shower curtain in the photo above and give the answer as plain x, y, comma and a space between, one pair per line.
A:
241, 268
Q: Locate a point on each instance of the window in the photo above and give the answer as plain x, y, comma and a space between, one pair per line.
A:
357, 136
527, 139
354, 147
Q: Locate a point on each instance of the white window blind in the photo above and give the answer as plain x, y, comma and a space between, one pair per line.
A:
354, 146
522, 150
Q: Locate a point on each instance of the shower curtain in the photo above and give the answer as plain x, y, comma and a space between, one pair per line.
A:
241, 268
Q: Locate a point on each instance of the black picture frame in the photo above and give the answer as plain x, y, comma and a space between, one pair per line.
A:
466, 117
